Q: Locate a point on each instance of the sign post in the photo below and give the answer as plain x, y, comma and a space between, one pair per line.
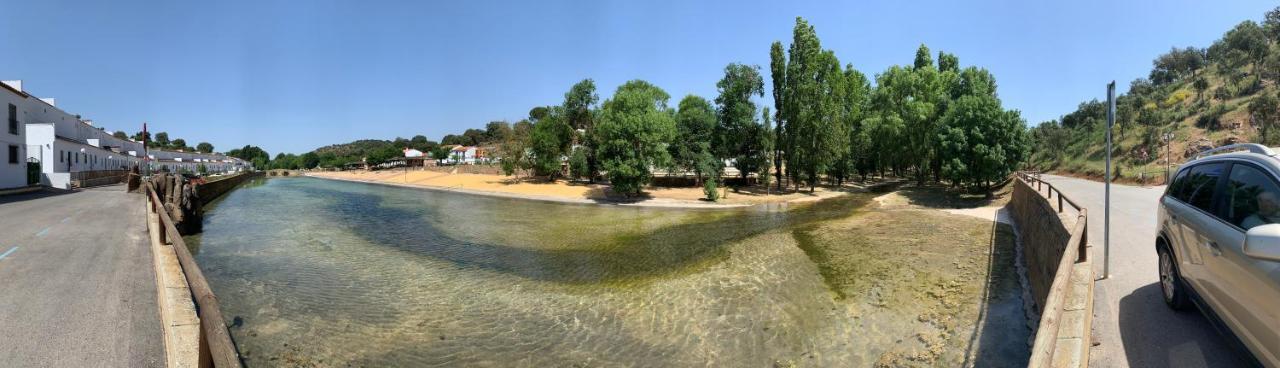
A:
1106, 212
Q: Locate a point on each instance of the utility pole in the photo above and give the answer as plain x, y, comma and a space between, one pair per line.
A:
1106, 212
146, 156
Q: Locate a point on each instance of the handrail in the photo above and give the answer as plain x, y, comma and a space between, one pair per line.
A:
1047, 333
215, 341
1035, 178
1252, 147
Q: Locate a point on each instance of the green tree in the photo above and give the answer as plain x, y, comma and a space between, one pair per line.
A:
1271, 24
778, 77
983, 143
857, 95
179, 143
204, 147
578, 164
814, 138
1248, 38
579, 108
1264, 113
454, 140
738, 134
1201, 84
948, 62
440, 154
695, 126
142, 136
120, 135
473, 137
549, 142
923, 58
162, 140
309, 160
634, 130
497, 131
913, 95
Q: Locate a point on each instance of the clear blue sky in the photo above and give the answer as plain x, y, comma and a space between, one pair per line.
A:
292, 76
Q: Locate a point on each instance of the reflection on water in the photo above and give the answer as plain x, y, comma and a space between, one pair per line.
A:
334, 273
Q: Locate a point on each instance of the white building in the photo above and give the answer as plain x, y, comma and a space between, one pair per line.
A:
13, 162
412, 153
178, 161
467, 155
69, 148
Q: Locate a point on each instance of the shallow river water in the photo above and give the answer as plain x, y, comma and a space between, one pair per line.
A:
314, 272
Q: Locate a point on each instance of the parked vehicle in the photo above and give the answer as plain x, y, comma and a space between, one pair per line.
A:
1218, 242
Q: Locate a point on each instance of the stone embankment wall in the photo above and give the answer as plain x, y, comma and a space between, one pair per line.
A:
180, 199
184, 200
213, 189
1044, 234
1063, 298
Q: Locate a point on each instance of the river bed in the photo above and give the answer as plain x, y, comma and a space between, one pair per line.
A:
314, 272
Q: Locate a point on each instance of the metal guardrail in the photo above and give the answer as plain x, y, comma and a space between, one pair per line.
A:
216, 347
1047, 333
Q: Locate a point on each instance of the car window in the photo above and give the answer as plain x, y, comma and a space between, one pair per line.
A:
1177, 185
1201, 181
1252, 198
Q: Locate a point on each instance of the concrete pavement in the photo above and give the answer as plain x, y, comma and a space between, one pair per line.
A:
77, 285
1132, 326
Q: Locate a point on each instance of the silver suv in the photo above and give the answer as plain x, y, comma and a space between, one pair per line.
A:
1219, 243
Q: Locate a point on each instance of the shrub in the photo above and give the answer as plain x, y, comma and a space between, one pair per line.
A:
578, 167
709, 188
1212, 119
1177, 97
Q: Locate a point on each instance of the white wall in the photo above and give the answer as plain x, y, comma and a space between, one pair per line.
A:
12, 175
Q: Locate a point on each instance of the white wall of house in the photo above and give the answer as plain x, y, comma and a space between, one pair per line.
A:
65, 144
463, 155
13, 162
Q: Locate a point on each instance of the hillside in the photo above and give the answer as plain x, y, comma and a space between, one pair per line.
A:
1205, 97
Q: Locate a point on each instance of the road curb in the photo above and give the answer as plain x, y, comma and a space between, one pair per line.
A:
177, 311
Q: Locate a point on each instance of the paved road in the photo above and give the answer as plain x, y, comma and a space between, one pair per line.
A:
1131, 322
77, 286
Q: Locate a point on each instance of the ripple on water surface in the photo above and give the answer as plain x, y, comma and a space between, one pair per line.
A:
334, 273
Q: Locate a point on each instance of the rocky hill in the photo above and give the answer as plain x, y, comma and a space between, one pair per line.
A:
1200, 97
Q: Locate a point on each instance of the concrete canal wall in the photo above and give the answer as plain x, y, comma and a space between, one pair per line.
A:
211, 190
1053, 231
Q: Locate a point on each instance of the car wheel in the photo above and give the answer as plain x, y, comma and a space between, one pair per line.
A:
1171, 287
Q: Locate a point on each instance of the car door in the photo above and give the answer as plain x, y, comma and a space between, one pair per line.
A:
1246, 291
1175, 208
1195, 215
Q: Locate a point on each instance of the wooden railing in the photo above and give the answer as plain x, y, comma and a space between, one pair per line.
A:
1047, 333
216, 347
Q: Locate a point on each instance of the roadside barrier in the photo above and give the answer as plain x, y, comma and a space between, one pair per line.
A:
216, 347
1043, 235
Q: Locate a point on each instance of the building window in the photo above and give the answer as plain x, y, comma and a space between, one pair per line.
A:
13, 119
13, 154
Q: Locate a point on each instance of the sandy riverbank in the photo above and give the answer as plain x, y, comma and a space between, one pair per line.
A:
563, 191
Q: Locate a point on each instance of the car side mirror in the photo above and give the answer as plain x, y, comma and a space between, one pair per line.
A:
1263, 242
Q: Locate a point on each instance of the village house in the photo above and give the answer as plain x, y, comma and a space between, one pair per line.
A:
61, 148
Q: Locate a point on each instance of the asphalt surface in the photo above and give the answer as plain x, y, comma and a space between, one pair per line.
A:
77, 285
1132, 327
